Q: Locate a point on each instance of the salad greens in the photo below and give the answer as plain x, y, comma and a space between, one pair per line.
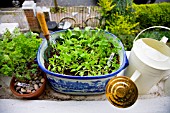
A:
84, 53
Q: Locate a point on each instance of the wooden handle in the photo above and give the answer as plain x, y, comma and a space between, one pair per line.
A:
43, 24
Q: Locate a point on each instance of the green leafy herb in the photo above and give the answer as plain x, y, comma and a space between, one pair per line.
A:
84, 53
17, 50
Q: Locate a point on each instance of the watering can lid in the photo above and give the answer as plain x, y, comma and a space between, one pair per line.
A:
153, 53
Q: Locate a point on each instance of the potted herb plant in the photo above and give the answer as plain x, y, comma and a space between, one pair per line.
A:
17, 58
81, 62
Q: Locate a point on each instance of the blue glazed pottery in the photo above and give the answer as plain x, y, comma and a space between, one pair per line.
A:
80, 85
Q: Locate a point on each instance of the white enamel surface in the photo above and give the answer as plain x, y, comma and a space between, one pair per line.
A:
149, 75
135, 75
152, 53
164, 39
155, 55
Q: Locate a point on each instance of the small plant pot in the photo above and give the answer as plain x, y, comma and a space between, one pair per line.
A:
32, 95
80, 85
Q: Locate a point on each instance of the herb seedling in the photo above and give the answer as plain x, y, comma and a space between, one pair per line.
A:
84, 53
17, 51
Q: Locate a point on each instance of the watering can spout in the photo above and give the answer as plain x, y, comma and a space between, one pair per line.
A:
164, 39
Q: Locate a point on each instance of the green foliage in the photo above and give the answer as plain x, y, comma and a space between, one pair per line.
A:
83, 53
120, 19
156, 34
127, 41
125, 20
16, 51
121, 25
109, 7
123, 7
106, 7
153, 14
123, 28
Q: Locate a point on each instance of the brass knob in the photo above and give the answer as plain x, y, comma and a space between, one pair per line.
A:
121, 91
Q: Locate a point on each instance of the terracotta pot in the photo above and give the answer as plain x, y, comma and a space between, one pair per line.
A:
36, 94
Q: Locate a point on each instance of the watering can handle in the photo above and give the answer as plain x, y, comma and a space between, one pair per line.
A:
150, 28
135, 75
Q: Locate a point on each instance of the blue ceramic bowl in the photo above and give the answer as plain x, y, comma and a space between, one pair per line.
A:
77, 85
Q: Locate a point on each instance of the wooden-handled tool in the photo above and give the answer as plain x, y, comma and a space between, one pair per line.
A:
43, 24
44, 28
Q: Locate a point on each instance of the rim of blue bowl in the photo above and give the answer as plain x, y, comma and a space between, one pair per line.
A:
123, 66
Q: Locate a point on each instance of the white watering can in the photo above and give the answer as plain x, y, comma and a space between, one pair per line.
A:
149, 61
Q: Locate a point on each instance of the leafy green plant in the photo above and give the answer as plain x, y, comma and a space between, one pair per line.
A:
84, 53
120, 19
155, 34
153, 14
106, 7
121, 25
17, 53
119, 16
127, 41
123, 28
123, 7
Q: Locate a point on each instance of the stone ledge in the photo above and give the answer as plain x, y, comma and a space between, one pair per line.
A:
154, 105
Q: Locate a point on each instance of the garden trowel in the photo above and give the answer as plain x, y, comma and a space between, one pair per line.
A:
46, 33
